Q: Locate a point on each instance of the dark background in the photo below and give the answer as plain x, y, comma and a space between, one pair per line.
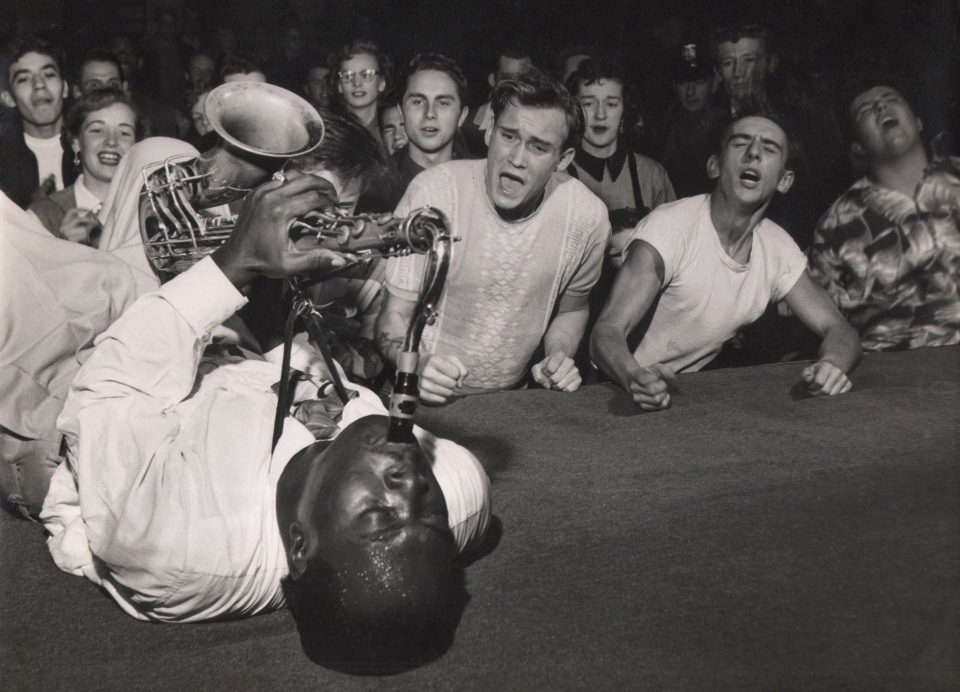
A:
919, 37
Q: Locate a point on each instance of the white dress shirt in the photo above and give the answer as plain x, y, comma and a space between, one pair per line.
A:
167, 499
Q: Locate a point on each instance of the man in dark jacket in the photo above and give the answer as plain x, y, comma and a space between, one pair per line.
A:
33, 155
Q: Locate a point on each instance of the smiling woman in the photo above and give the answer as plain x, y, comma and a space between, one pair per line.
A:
102, 126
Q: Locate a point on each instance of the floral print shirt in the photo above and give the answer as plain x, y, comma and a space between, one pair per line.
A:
892, 262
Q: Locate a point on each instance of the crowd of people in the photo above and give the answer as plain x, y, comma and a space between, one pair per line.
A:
762, 216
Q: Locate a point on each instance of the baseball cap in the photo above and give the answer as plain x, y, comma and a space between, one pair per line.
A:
691, 63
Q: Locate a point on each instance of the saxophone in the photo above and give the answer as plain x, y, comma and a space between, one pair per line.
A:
261, 127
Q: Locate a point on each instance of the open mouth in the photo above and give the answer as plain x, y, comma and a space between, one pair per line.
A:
750, 176
108, 158
429, 131
510, 183
889, 122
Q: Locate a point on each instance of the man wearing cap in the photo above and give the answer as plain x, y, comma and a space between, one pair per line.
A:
690, 139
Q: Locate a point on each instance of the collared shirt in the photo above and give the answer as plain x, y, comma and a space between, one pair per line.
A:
595, 166
610, 180
86, 200
892, 262
167, 499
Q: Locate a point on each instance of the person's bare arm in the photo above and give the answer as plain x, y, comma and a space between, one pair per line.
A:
392, 323
840, 349
634, 290
441, 376
557, 370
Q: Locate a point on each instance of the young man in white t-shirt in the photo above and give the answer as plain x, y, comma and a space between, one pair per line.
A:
712, 264
35, 158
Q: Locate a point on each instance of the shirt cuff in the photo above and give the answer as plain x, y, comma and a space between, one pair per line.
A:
220, 298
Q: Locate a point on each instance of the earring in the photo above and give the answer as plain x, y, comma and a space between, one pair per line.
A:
76, 158
621, 127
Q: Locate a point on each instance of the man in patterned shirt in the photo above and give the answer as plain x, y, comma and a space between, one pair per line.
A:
888, 250
531, 246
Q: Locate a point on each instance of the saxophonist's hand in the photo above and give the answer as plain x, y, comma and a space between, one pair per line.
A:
260, 244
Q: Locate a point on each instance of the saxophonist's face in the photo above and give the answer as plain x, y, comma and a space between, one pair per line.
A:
348, 191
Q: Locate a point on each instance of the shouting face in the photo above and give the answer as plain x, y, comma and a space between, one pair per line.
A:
526, 148
885, 124
752, 165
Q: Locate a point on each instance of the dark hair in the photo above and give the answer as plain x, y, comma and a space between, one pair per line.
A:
327, 61
320, 59
862, 78
96, 100
348, 150
361, 45
99, 55
593, 70
388, 100
513, 51
194, 97
537, 89
734, 32
560, 61
358, 46
392, 634
35, 44
440, 63
239, 63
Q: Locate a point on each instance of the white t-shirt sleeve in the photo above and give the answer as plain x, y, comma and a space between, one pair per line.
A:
668, 233
793, 263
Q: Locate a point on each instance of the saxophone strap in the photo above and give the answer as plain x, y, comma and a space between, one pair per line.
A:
319, 337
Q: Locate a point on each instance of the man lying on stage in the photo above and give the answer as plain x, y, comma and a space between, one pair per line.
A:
707, 266
172, 501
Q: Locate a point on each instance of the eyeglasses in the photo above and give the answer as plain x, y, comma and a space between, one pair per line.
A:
366, 75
